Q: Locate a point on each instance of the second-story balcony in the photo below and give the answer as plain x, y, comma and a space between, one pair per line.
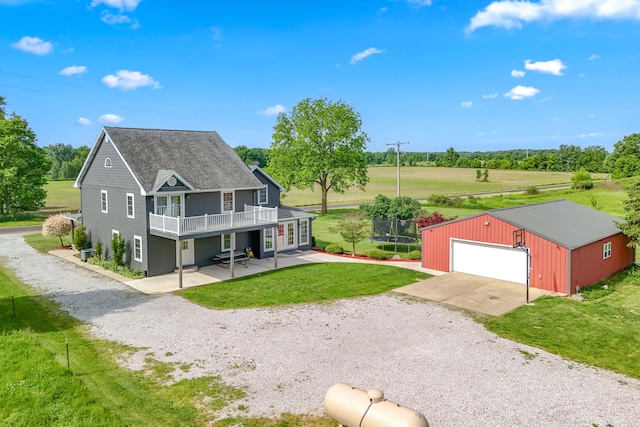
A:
253, 216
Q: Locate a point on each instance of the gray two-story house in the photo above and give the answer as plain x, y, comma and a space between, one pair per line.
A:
182, 197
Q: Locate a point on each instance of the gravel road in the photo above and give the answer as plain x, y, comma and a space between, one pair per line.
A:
421, 354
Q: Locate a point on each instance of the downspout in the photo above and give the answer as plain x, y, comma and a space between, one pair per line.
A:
569, 253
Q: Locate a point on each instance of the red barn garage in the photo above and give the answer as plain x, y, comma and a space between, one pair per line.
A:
570, 245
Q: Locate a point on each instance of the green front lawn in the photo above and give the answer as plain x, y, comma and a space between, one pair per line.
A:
601, 332
302, 284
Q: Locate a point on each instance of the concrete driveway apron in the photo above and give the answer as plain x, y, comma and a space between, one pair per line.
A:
479, 294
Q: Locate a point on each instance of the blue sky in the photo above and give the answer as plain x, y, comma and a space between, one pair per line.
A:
473, 75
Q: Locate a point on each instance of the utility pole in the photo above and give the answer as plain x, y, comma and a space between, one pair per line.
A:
398, 144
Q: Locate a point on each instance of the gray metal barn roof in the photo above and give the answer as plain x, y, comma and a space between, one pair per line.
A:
566, 223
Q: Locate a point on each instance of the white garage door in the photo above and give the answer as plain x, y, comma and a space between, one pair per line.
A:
497, 262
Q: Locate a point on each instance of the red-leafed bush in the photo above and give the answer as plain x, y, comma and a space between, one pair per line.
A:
433, 219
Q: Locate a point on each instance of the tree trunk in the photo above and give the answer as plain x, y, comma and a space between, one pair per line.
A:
323, 188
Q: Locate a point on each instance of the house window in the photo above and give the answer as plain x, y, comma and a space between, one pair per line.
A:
268, 239
226, 242
130, 206
606, 250
227, 201
137, 248
304, 231
184, 245
104, 201
263, 196
107, 162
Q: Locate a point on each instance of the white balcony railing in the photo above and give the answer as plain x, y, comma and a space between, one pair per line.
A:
181, 226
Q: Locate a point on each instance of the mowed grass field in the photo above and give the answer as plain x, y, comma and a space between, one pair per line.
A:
416, 182
421, 182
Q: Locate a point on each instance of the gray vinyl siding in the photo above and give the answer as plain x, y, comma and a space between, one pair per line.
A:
117, 181
163, 256
197, 204
244, 197
273, 192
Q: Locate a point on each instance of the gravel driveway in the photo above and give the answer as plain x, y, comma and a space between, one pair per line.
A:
420, 354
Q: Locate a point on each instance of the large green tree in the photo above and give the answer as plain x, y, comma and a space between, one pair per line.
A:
23, 165
319, 143
631, 226
625, 160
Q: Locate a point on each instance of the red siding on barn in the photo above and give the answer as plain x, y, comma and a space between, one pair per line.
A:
588, 265
549, 269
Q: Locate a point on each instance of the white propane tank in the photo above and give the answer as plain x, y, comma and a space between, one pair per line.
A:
352, 407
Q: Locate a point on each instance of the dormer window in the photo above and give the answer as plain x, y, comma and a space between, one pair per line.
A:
107, 162
263, 196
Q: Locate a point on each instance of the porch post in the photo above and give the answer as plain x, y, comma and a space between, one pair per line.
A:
233, 254
275, 247
179, 249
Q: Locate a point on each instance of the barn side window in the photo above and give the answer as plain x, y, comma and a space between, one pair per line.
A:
606, 250
107, 163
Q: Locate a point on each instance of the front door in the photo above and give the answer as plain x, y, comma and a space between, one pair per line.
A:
187, 252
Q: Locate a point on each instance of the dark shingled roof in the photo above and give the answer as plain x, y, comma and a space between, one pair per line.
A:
202, 158
566, 223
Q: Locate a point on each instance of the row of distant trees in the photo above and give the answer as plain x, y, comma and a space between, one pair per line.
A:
623, 161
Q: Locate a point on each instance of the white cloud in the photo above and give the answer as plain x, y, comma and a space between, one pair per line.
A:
592, 116
518, 73
216, 33
74, 69
122, 5
591, 135
33, 45
125, 79
594, 56
513, 13
273, 110
466, 104
84, 122
365, 53
554, 66
110, 119
419, 3
382, 10
491, 95
521, 92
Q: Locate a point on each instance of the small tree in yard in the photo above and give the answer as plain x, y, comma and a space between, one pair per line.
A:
118, 247
631, 226
56, 226
433, 219
353, 227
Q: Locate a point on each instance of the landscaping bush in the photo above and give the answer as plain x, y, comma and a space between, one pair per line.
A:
377, 254
415, 255
440, 200
532, 191
118, 247
582, 180
81, 239
334, 248
99, 249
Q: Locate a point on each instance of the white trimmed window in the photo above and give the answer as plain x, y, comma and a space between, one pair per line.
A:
304, 231
104, 201
137, 248
225, 240
131, 213
227, 201
606, 250
268, 239
107, 163
263, 196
